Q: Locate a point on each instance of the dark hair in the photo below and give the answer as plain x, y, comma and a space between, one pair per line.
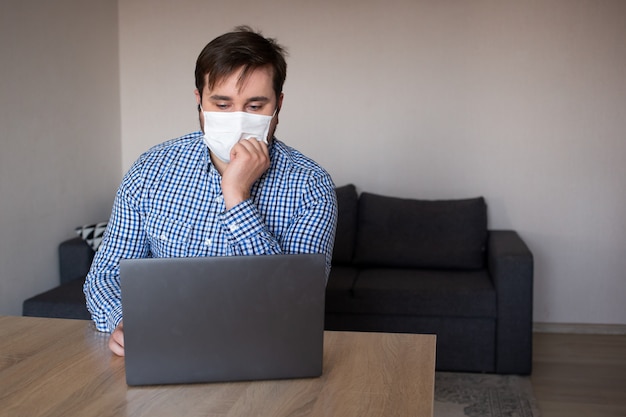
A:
242, 48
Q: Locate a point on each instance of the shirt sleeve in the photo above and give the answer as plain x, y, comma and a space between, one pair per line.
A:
246, 232
310, 230
313, 228
124, 238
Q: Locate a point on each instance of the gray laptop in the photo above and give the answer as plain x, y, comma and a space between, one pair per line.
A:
213, 319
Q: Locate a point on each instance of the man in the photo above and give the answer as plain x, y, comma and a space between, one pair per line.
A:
231, 189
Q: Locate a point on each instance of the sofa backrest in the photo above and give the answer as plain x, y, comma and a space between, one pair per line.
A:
75, 257
375, 230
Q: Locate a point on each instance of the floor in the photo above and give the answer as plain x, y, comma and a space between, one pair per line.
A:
579, 375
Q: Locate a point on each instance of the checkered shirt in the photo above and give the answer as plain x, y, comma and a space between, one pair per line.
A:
170, 204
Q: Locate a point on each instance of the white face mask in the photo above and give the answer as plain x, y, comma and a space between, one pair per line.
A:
222, 130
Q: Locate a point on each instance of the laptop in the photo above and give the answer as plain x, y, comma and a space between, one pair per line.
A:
225, 318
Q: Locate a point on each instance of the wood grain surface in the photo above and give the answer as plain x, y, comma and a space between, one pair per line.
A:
55, 367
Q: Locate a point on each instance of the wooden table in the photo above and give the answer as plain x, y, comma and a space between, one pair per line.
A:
57, 367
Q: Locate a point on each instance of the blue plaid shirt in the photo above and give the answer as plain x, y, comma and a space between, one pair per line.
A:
170, 204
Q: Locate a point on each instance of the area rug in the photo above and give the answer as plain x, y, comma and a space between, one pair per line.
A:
483, 395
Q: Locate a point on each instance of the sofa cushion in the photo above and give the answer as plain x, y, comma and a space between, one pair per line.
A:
434, 293
408, 233
66, 301
347, 201
339, 287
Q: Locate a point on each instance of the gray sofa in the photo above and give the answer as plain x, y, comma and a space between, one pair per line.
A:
66, 300
399, 265
411, 266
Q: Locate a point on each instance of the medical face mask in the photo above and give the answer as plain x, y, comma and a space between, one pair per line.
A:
222, 130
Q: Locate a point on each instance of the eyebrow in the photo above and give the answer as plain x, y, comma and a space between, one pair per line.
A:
258, 98
217, 97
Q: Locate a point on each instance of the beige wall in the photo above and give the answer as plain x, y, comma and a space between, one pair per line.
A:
522, 102
60, 149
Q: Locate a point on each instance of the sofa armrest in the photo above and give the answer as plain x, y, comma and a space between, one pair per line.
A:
510, 265
75, 258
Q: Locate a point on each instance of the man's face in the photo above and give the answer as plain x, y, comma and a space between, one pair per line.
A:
254, 94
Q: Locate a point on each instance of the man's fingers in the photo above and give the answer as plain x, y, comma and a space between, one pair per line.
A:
116, 341
250, 151
253, 145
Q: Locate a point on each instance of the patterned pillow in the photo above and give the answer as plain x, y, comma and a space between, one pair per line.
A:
92, 233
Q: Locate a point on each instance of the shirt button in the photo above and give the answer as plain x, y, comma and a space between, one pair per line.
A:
234, 227
219, 199
208, 242
163, 237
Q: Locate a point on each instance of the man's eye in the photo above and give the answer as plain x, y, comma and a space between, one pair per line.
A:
221, 106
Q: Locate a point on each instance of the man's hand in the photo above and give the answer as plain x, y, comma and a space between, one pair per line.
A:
249, 159
116, 340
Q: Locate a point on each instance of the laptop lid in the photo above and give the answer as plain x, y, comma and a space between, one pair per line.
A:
210, 319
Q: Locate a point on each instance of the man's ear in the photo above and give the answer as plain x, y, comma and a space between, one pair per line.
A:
279, 103
198, 98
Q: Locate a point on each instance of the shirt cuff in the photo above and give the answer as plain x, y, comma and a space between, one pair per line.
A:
242, 222
114, 318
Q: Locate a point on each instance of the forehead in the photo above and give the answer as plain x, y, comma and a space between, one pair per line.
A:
258, 81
